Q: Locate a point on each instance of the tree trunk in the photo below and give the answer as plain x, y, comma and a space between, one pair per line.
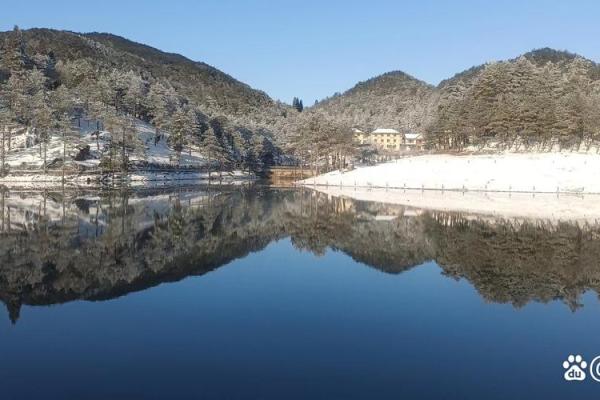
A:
209, 164
124, 162
3, 151
2, 205
64, 163
110, 158
45, 157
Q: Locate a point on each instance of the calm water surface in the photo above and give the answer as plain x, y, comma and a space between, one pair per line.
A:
280, 294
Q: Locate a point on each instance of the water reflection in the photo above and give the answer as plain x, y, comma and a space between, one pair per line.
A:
59, 247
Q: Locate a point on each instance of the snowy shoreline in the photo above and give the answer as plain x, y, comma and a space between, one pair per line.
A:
39, 180
507, 172
552, 186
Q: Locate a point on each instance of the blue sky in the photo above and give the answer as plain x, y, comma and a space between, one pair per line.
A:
312, 49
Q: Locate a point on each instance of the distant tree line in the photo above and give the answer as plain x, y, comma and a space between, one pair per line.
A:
545, 100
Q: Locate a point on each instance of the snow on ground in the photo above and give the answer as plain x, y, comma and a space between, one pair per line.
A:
22, 157
25, 159
24, 153
509, 172
143, 178
160, 152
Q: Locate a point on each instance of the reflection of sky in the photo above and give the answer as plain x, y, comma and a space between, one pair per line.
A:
282, 324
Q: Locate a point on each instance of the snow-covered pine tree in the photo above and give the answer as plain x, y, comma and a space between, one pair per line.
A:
6, 119
62, 107
135, 93
258, 148
240, 146
182, 127
214, 151
14, 58
157, 105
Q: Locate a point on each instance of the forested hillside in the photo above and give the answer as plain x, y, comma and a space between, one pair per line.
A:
394, 99
97, 100
544, 99
50, 78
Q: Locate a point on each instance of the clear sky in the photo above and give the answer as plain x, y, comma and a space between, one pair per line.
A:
312, 49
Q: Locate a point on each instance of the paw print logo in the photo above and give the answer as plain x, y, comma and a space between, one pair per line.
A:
574, 368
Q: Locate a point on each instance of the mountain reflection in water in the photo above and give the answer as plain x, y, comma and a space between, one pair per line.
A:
57, 247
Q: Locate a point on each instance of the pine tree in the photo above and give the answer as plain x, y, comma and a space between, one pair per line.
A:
297, 104
240, 147
62, 106
43, 123
118, 84
157, 104
14, 58
134, 93
182, 126
214, 151
6, 119
114, 123
258, 148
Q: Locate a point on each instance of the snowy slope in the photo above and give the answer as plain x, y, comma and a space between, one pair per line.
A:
527, 172
25, 154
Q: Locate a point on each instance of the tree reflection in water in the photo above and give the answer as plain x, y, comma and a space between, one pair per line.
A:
58, 247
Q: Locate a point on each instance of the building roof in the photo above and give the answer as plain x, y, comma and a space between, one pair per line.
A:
412, 135
356, 130
384, 130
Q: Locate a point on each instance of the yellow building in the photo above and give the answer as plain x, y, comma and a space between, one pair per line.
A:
389, 139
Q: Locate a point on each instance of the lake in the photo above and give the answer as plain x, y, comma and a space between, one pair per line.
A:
257, 292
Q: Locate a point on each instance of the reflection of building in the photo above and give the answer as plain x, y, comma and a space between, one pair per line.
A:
389, 139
